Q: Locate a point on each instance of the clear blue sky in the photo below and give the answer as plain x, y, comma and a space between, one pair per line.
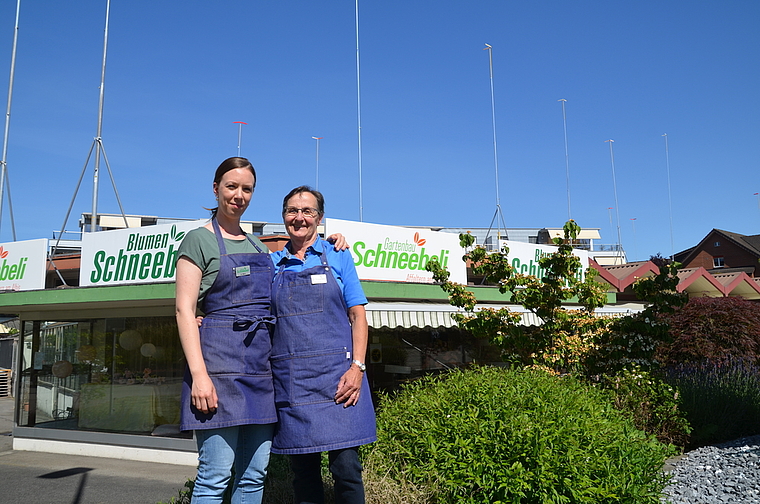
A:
179, 73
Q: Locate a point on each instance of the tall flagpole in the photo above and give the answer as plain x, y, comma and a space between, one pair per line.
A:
635, 244
670, 200
240, 133
317, 176
98, 137
359, 112
617, 207
99, 148
567, 158
497, 216
3, 162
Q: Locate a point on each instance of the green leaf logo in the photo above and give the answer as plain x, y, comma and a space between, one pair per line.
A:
175, 235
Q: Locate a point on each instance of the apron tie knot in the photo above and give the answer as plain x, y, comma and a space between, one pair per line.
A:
242, 322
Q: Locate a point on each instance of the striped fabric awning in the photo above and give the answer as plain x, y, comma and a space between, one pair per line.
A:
421, 315
409, 318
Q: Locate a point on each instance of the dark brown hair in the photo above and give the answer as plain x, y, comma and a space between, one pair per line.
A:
230, 164
303, 189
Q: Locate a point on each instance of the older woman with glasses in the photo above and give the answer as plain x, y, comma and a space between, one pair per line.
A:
318, 349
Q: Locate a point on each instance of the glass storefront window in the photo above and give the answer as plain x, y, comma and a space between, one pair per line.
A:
114, 375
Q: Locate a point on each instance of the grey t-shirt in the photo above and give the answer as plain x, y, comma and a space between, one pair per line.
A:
200, 246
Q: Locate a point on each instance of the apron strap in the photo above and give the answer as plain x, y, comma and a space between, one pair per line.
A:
220, 240
323, 260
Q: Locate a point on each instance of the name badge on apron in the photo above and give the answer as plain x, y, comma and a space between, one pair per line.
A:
318, 279
242, 271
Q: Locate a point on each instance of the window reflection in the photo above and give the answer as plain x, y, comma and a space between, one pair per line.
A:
114, 375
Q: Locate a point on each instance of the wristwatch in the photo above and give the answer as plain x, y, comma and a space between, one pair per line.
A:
360, 364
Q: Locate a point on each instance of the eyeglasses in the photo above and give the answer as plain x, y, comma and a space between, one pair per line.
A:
307, 212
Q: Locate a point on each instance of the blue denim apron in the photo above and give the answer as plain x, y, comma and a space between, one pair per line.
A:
236, 342
311, 350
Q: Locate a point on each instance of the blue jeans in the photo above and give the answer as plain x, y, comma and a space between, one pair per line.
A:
346, 471
244, 446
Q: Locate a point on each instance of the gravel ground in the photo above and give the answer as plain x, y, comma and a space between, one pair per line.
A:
728, 472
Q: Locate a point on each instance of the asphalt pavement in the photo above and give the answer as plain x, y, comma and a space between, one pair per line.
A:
42, 478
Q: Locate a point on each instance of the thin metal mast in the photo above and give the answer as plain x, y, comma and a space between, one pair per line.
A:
635, 244
99, 148
617, 207
3, 162
670, 199
567, 157
493, 122
240, 133
359, 112
317, 176
498, 216
98, 137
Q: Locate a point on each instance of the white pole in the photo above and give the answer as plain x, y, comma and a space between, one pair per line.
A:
98, 138
670, 199
3, 162
240, 132
609, 212
635, 244
493, 123
617, 206
567, 158
317, 177
359, 112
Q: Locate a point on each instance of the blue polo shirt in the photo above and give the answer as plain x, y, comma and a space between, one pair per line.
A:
341, 264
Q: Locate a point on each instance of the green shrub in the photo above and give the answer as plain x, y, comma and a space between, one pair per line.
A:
653, 405
183, 495
493, 435
720, 400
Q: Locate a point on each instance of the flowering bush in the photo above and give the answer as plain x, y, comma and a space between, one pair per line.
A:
653, 404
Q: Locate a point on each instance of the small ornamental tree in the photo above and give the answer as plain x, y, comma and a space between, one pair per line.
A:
634, 339
564, 336
621, 350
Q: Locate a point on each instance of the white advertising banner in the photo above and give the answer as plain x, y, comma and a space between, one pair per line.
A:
399, 254
22, 265
134, 255
524, 257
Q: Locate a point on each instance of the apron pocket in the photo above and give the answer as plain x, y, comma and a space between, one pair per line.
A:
301, 297
308, 378
223, 347
252, 287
